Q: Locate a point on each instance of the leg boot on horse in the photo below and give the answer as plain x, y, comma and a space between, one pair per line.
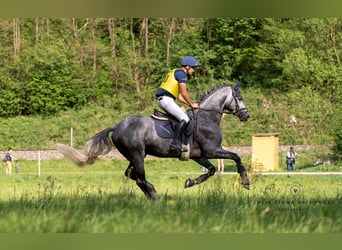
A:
176, 145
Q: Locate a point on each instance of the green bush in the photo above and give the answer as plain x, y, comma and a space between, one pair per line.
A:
337, 149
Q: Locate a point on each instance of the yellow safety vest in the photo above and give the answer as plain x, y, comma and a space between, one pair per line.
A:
170, 84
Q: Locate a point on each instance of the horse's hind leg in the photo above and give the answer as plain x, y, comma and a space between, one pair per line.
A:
130, 172
136, 171
144, 185
211, 171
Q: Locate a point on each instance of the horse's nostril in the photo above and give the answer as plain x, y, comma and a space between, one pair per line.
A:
245, 117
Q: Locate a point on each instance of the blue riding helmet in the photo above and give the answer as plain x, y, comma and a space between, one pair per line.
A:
189, 60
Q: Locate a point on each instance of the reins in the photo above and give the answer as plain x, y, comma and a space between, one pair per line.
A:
219, 112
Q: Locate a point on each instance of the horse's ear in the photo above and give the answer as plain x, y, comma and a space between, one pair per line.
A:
237, 85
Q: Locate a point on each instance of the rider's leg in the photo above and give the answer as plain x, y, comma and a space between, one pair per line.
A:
176, 145
170, 106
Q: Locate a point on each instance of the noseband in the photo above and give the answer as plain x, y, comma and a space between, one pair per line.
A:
238, 111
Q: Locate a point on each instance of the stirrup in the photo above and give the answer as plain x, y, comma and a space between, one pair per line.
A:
183, 150
177, 149
184, 156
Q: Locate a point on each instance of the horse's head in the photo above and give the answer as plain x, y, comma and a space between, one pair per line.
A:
235, 104
225, 97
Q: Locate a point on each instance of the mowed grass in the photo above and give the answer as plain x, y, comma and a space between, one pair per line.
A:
65, 198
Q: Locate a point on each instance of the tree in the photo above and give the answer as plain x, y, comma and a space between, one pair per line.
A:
234, 42
16, 36
114, 57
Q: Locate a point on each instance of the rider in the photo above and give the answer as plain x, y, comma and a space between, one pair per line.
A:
174, 87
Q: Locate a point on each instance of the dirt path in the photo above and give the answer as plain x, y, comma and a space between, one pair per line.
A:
292, 173
114, 154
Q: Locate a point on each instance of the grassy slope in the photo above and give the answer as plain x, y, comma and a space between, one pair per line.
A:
269, 113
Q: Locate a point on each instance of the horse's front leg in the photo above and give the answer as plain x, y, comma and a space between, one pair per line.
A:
244, 179
240, 167
211, 171
241, 170
220, 153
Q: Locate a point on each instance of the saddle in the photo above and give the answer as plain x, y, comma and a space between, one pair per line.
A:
166, 124
162, 116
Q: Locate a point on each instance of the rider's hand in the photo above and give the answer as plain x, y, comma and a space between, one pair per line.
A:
195, 105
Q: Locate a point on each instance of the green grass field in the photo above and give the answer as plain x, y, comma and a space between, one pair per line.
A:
65, 198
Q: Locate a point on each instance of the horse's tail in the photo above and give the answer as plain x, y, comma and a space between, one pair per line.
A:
99, 144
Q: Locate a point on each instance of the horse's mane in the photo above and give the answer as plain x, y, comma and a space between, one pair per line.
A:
213, 89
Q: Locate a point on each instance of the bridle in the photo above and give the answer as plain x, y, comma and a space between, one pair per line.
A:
238, 111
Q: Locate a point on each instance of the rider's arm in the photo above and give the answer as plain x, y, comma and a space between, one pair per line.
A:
184, 96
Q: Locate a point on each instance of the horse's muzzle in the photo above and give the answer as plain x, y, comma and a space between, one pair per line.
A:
243, 116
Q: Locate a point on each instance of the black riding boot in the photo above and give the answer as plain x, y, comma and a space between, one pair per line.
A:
176, 145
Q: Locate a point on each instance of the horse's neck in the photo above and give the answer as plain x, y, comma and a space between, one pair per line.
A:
216, 101
211, 108
205, 116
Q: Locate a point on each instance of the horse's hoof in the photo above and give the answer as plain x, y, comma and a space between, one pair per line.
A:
245, 181
189, 183
153, 195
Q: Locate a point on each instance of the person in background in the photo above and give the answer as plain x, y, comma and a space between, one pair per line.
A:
220, 166
291, 157
8, 160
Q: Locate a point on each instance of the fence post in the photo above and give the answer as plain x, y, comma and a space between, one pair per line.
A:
39, 163
71, 134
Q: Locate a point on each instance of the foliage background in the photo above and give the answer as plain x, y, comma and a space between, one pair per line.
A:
88, 73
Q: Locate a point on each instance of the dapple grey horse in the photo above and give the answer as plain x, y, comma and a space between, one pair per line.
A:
136, 136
